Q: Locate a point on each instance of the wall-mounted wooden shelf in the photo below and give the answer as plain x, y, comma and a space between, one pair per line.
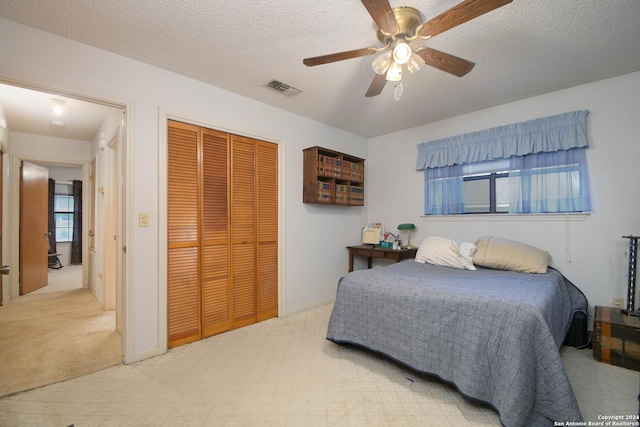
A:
332, 178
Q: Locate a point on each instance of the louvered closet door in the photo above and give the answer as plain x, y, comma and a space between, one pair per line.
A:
183, 299
267, 229
222, 232
216, 316
243, 231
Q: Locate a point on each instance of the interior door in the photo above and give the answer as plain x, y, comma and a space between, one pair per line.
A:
34, 242
215, 233
243, 226
183, 207
1, 274
267, 229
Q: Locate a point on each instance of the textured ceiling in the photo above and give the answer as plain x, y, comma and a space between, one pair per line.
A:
523, 49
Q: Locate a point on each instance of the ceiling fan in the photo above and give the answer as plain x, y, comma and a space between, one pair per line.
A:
400, 26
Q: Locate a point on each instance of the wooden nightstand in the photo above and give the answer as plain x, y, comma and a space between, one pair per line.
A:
370, 252
616, 338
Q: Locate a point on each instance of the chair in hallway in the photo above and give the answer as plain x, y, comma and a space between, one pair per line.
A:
54, 261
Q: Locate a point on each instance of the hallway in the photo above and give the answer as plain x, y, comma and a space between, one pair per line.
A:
55, 333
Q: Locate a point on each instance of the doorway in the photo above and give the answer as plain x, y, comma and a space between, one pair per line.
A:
61, 221
100, 175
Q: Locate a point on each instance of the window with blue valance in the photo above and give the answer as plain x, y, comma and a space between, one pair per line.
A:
544, 160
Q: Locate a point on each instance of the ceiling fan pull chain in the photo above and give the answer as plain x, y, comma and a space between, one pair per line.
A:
397, 91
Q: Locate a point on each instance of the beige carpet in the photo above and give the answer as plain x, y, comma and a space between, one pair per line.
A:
51, 337
65, 279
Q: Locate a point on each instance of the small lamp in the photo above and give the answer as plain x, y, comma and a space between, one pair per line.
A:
408, 228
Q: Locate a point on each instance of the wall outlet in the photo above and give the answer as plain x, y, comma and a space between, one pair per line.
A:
143, 219
618, 302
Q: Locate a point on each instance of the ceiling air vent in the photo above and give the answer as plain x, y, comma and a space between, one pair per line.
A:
283, 88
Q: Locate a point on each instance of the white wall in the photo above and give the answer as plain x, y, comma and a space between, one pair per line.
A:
314, 236
590, 253
28, 146
66, 174
103, 156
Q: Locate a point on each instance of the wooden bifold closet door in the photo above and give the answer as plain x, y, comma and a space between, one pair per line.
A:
222, 232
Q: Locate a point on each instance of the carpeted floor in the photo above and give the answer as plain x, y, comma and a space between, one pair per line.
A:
50, 337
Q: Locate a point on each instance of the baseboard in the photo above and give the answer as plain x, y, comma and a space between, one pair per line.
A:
137, 357
308, 307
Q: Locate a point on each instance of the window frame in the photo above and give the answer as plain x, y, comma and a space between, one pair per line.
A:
520, 168
66, 212
493, 204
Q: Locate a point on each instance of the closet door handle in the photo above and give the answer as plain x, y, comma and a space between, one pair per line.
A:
244, 241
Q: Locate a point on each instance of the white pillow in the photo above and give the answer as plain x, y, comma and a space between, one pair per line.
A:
504, 254
446, 252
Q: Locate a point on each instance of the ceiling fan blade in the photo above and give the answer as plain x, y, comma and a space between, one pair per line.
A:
459, 14
445, 62
382, 15
335, 57
376, 85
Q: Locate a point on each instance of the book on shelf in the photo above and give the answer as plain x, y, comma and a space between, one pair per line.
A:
323, 191
329, 166
351, 170
356, 195
342, 194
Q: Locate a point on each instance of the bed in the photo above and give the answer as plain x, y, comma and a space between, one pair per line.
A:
494, 334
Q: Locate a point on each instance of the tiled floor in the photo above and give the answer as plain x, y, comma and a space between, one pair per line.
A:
283, 372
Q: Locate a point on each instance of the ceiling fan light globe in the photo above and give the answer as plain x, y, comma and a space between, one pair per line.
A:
415, 63
381, 64
394, 73
401, 53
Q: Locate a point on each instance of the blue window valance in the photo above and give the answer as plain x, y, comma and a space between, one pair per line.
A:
546, 134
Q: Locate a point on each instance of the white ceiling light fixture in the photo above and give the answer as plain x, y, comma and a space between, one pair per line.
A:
57, 123
58, 107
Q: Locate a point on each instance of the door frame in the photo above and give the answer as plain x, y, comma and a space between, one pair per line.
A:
124, 212
164, 115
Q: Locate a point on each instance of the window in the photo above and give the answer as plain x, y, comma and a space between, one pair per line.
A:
536, 183
537, 166
63, 216
486, 193
486, 187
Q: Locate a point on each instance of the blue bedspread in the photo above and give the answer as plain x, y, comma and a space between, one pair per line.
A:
494, 334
